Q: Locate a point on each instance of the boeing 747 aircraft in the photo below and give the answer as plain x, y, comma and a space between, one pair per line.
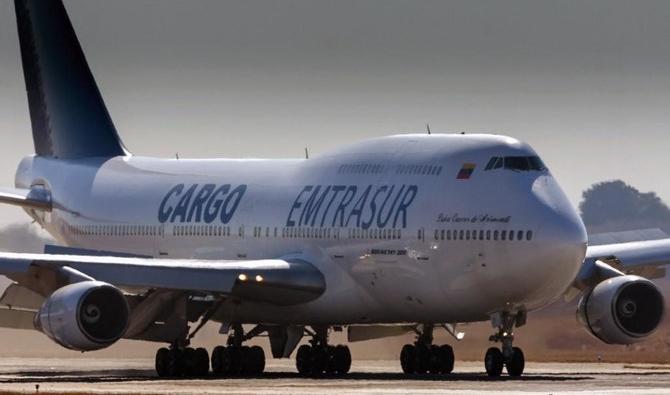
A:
406, 233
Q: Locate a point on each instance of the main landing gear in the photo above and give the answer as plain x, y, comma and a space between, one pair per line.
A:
319, 358
235, 359
425, 357
510, 357
182, 361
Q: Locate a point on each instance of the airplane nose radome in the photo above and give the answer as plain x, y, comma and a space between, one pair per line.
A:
559, 221
561, 241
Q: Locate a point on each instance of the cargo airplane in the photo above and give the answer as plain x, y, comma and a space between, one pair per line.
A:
402, 234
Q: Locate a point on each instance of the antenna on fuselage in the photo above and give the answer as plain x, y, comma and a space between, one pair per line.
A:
306, 153
428, 127
176, 155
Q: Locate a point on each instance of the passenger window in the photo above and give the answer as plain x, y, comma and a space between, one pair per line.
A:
442, 234
449, 234
461, 234
488, 235
503, 235
481, 235
529, 235
519, 235
495, 235
467, 235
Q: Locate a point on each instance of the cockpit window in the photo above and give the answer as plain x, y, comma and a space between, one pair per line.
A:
516, 163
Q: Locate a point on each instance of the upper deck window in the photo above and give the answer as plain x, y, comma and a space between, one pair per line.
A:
516, 163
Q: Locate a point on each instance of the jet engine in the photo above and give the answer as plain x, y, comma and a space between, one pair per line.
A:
622, 310
84, 316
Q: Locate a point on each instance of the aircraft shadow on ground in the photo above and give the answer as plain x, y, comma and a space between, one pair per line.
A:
112, 376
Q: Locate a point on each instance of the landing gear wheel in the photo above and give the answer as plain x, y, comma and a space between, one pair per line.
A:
162, 362
318, 361
434, 362
422, 359
201, 365
220, 361
189, 362
175, 366
331, 364
342, 357
246, 361
516, 363
236, 360
256, 360
446, 358
408, 359
302, 359
493, 362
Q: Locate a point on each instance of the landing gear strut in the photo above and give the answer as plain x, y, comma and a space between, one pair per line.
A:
318, 357
425, 357
236, 359
510, 357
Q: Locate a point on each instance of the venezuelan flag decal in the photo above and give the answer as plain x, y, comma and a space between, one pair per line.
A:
466, 171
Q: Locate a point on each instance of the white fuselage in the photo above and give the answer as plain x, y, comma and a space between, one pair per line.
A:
397, 234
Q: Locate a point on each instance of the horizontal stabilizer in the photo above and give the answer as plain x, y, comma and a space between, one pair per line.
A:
36, 199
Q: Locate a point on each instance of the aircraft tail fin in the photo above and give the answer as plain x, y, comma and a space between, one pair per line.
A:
68, 115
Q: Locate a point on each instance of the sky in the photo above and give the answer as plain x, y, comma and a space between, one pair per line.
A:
586, 83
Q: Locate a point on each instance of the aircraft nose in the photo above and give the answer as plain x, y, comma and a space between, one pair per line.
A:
561, 237
559, 222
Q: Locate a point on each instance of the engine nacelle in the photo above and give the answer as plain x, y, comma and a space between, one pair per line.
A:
622, 310
84, 316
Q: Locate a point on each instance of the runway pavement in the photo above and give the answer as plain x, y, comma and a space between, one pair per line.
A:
136, 376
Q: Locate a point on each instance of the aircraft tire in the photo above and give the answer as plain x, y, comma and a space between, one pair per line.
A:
516, 363
342, 359
434, 360
256, 357
220, 361
162, 361
201, 365
422, 359
446, 359
493, 362
318, 361
331, 360
302, 359
408, 359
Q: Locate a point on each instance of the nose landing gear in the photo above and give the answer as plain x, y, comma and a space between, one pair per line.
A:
508, 356
425, 357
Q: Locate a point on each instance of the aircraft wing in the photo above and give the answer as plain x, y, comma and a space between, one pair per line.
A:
632, 257
646, 258
35, 198
275, 281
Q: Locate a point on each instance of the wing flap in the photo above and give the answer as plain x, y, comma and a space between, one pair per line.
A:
16, 319
16, 296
